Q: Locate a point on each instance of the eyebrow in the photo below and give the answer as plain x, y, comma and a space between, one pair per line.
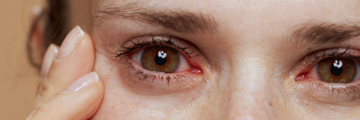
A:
180, 21
326, 32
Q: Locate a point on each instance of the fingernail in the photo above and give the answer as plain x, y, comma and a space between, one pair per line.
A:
50, 54
36, 10
83, 82
71, 41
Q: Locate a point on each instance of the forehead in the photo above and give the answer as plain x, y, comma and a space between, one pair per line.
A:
240, 11
246, 15
240, 21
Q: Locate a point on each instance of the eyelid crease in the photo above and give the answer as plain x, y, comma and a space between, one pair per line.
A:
143, 41
337, 94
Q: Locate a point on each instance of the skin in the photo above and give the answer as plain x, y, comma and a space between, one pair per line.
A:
251, 60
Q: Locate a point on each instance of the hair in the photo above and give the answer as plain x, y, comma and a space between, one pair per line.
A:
55, 27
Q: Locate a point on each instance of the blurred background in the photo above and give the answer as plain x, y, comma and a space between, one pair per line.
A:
18, 79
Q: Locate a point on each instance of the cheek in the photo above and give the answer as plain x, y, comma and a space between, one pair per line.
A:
116, 102
120, 102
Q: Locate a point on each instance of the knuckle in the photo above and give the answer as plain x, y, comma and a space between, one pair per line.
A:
40, 111
47, 90
43, 108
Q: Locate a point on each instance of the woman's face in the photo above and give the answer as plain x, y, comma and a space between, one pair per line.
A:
234, 59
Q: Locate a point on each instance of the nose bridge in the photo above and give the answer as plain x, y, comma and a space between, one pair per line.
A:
250, 96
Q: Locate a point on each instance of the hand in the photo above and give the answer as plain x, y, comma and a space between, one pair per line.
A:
68, 88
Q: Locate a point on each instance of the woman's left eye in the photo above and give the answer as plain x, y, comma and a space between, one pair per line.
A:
331, 76
161, 59
158, 65
337, 70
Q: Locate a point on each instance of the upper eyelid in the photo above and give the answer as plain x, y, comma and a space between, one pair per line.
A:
331, 53
335, 52
344, 54
157, 40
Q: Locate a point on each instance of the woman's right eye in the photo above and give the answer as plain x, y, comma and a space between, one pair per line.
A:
162, 59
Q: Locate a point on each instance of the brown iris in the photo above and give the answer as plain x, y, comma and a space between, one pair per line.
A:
337, 70
160, 59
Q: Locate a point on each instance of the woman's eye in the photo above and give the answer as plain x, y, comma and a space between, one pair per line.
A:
159, 65
330, 76
161, 59
337, 70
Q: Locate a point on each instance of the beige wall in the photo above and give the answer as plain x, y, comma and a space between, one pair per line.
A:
17, 78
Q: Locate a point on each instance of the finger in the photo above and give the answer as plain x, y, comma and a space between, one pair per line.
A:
35, 12
78, 102
75, 59
50, 55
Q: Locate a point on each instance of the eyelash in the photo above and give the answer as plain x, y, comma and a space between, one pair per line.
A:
330, 53
333, 54
138, 45
347, 93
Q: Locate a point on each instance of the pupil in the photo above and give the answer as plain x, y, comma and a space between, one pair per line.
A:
160, 58
336, 67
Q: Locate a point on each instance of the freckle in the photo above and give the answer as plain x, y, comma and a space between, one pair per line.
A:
270, 103
332, 107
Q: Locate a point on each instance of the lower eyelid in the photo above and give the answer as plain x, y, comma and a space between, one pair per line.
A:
145, 82
338, 94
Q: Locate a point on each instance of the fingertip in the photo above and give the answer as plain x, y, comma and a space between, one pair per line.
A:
50, 55
35, 11
83, 82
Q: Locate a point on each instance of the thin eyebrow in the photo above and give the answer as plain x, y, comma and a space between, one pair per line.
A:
325, 32
180, 21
